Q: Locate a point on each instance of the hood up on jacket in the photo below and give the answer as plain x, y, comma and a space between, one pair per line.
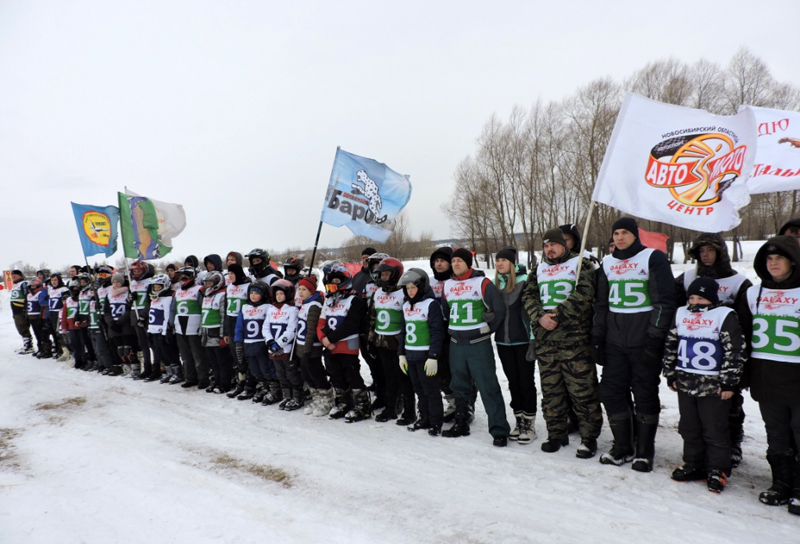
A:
789, 248
722, 266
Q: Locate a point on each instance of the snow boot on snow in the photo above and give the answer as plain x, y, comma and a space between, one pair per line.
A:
240, 385
717, 481
286, 393
688, 473
622, 451
515, 432
459, 428
342, 404
526, 433
450, 408
361, 407
261, 390
27, 346
780, 491
309, 408
273, 394
325, 403
646, 428
296, 402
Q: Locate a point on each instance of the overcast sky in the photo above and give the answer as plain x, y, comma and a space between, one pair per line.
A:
234, 109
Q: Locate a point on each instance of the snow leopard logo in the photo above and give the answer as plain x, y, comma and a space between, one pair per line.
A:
369, 190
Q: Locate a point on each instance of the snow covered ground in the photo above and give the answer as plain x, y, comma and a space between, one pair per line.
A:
86, 458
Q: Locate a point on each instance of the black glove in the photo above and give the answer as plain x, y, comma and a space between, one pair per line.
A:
599, 350
653, 351
140, 322
372, 351
169, 337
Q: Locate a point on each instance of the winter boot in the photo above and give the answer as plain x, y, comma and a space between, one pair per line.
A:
273, 394
27, 346
421, 423
166, 377
514, 435
526, 433
587, 449
780, 491
646, 427
450, 408
309, 408
553, 443
65, 356
622, 451
386, 415
240, 385
716, 481
794, 502
286, 393
296, 402
459, 428
177, 374
325, 403
342, 404
361, 407
261, 390
688, 473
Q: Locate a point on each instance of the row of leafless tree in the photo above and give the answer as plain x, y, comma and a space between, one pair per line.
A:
537, 169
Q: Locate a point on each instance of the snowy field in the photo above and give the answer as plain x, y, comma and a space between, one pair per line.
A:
86, 458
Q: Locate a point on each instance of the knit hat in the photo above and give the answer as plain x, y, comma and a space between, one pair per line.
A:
118, 277
706, 288
774, 249
554, 236
464, 254
443, 252
309, 282
509, 253
627, 223
17, 273
368, 251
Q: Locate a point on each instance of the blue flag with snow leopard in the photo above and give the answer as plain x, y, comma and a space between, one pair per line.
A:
365, 195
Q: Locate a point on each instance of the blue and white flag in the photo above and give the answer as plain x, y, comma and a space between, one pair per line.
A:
97, 228
365, 195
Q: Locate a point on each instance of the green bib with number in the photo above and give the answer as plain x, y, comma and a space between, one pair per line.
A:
72, 308
556, 282
418, 334
94, 319
236, 295
212, 311
465, 299
388, 312
776, 323
18, 292
628, 283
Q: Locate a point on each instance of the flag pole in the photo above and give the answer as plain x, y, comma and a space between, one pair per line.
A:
319, 229
583, 240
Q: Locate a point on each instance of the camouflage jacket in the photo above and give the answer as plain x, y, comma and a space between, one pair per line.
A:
574, 316
705, 385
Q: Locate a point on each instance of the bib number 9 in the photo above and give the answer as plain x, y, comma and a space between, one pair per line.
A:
253, 329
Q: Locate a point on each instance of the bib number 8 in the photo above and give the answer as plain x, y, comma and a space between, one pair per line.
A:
411, 336
701, 356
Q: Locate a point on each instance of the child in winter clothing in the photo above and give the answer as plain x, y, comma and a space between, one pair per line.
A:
703, 363
117, 316
280, 328
185, 319
37, 309
338, 327
213, 332
19, 290
97, 334
141, 274
249, 340
385, 326
236, 295
770, 322
160, 335
56, 291
419, 347
73, 321
308, 348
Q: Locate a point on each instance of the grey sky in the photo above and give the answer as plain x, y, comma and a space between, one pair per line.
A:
235, 109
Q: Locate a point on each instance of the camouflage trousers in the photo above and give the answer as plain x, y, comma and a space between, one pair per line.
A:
566, 371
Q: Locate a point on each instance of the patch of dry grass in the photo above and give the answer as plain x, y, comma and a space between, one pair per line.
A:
66, 403
265, 472
7, 454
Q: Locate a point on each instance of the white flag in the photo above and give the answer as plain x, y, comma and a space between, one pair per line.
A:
776, 166
677, 165
171, 219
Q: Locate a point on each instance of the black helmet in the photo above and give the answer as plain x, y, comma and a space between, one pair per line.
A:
190, 274
293, 263
258, 253
83, 276
260, 287
74, 286
373, 261
417, 277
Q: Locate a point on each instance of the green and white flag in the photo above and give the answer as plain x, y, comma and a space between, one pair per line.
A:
148, 226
